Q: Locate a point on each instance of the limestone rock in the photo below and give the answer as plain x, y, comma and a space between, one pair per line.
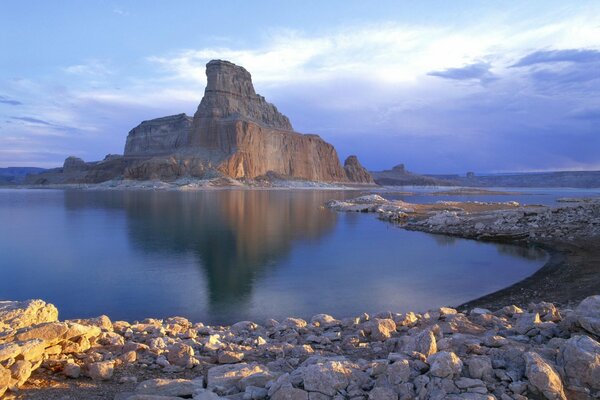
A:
101, 371
230, 357
588, 314
20, 314
580, 358
355, 172
445, 364
5, 379
170, 387
228, 376
72, 370
398, 372
383, 393
181, 354
159, 136
290, 393
21, 371
327, 377
426, 343
543, 377
381, 329
50, 332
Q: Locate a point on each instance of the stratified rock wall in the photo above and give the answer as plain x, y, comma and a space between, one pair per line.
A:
252, 136
159, 136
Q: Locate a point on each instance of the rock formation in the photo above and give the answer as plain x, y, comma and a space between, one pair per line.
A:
73, 164
235, 132
355, 172
249, 137
399, 176
159, 136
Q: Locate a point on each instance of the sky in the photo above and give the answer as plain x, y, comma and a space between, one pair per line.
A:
441, 86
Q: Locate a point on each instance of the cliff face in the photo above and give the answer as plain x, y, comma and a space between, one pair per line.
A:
159, 136
252, 137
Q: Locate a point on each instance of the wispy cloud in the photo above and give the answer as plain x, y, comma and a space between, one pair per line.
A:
91, 68
32, 120
553, 56
9, 101
479, 71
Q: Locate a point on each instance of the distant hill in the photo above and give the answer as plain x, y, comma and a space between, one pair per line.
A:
574, 179
399, 176
16, 175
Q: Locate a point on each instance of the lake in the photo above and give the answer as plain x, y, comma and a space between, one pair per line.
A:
525, 196
229, 255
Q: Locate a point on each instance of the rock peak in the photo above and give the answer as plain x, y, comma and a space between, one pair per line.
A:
225, 76
355, 172
230, 94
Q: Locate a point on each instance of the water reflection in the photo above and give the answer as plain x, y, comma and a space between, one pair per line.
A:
235, 235
230, 255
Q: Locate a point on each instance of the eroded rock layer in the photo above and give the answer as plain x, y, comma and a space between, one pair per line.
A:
252, 136
159, 136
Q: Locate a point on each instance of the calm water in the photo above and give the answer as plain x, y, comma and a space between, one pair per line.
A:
228, 255
529, 196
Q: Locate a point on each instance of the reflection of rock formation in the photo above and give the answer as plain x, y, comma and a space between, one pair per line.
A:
235, 234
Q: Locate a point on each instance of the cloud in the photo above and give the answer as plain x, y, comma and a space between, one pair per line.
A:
477, 71
33, 120
6, 100
391, 92
120, 11
92, 68
554, 56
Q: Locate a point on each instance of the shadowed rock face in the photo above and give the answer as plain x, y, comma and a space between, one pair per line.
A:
74, 164
159, 136
355, 172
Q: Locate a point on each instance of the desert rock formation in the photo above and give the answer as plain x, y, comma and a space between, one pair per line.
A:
355, 172
234, 133
159, 136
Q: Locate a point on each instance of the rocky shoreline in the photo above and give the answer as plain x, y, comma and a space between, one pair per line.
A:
510, 353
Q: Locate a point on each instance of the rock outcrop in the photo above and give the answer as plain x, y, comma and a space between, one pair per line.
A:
159, 136
250, 138
355, 172
234, 133
74, 164
399, 176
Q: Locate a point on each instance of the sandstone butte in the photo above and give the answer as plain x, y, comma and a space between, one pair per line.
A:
234, 133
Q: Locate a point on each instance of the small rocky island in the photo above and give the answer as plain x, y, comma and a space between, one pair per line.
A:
235, 134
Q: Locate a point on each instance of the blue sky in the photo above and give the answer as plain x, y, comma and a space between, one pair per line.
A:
440, 86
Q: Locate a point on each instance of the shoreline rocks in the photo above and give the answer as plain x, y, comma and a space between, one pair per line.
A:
511, 353
493, 221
